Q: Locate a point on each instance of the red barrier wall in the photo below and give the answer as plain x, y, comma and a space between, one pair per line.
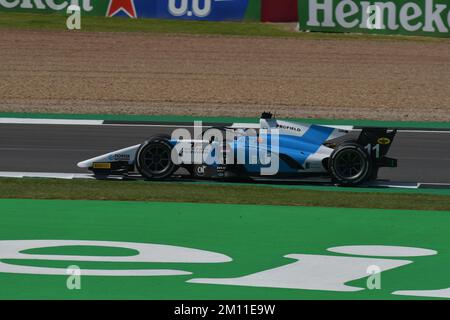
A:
279, 11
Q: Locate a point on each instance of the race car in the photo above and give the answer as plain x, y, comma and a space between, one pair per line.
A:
272, 148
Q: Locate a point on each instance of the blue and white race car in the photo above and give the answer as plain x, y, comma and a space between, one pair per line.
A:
269, 149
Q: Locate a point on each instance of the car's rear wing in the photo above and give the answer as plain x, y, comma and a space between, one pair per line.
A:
377, 142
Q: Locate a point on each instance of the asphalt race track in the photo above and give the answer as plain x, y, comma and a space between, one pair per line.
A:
422, 156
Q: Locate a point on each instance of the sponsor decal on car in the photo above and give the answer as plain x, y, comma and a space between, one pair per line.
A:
101, 165
200, 170
119, 157
384, 140
290, 128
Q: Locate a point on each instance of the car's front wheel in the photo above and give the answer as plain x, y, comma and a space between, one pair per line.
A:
153, 159
350, 164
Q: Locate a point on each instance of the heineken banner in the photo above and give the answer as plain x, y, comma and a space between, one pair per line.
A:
162, 9
408, 17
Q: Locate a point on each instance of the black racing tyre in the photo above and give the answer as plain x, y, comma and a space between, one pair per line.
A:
153, 159
350, 164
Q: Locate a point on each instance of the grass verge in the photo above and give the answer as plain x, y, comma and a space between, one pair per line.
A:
210, 193
54, 21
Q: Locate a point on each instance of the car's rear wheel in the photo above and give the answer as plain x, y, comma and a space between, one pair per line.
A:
350, 164
154, 160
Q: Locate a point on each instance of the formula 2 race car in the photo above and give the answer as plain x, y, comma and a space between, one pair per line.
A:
269, 149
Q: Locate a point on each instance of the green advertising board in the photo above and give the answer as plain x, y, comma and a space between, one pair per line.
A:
406, 17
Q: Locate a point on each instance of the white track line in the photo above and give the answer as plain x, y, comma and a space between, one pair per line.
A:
415, 131
403, 185
84, 123
55, 175
70, 176
50, 121
101, 122
150, 125
422, 131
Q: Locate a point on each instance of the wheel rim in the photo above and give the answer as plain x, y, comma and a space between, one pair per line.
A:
350, 164
156, 159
